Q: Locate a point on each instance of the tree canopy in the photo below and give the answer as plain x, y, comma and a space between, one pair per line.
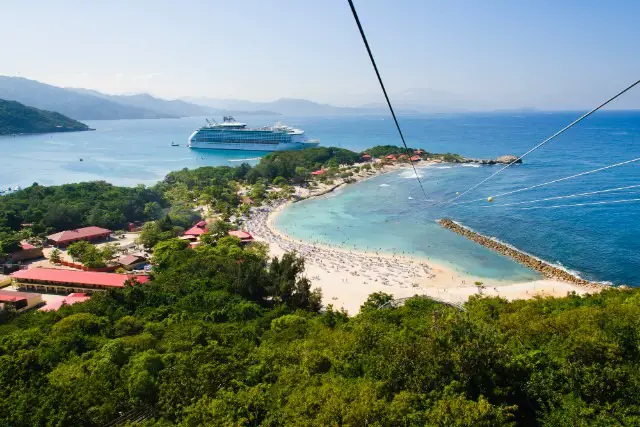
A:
16, 118
224, 336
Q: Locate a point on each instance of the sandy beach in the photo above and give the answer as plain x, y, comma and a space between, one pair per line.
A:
348, 277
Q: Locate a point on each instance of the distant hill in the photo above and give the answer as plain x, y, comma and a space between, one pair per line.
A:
293, 107
145, 101
80, 106
16, 118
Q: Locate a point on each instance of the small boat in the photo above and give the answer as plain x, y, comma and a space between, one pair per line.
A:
173, 144
81, 159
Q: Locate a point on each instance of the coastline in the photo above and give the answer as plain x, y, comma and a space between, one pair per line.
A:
347, 277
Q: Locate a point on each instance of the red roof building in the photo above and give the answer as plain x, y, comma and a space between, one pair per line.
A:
416, 158
68, 300
391, 157
64, 238
197, 230
366, 157
20, 301
53, 280
26, 246
26, 252
244, 236
130, 262
318, 172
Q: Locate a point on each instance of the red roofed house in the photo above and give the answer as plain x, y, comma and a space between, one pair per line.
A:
416, 158
391, 157
65, 238
366, 157
197, 230
53, 280
20, 301
242, 235
129, 262
318, 172
68, 300
27, 251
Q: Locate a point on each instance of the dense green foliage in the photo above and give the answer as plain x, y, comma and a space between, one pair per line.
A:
90, 255
384, 150
16, 118
76, 205
297, 164
221, 337
225, 337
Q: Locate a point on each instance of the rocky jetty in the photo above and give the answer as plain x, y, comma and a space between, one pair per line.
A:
546, 269
503, 160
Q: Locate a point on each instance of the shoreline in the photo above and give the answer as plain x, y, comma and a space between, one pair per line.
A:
348, 276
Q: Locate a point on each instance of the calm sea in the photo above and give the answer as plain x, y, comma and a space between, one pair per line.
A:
600, 242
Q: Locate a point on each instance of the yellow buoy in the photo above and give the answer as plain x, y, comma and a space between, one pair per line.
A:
490, 199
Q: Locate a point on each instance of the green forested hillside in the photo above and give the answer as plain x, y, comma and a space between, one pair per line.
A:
223, 338
16, 118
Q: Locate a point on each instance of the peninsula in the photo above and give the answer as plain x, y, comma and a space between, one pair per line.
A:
16, 118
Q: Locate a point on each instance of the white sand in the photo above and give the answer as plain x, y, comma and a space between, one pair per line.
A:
347, 277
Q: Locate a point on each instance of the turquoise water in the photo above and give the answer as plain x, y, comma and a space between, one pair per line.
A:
376, 215
600, 242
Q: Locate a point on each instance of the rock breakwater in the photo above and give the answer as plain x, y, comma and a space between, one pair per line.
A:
546, 269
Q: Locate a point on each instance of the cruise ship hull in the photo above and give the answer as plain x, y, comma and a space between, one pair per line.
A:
252, 147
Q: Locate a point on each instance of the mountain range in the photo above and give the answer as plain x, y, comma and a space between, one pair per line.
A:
296, 107
88, 104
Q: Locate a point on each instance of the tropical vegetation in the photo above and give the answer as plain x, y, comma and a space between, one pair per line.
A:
223, 336
16, 118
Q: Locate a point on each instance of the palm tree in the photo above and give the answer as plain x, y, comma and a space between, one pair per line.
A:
54, 257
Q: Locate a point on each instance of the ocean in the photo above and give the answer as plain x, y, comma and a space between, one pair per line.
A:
600, 242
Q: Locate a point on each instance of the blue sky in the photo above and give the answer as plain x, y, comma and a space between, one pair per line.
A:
484, 54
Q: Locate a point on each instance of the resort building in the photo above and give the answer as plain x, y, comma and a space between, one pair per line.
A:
416, 158
90, 234
244, 236
366, 157
319, 172
26, 252
70, 281
68, 300
197, 230
20, 301
130, 262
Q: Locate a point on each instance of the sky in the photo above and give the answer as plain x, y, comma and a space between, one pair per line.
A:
488, 54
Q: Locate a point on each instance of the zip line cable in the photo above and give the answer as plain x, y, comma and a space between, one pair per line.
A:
552, 182
565, 197
393, 114
606, 202
558, 133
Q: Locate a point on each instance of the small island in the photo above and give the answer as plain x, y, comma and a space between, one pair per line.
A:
16, 118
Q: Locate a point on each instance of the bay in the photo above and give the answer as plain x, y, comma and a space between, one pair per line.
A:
600, 242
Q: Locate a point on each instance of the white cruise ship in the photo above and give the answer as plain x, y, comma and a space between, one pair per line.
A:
232, 135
